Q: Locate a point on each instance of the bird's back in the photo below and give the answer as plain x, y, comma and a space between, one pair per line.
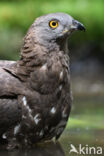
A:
6, 63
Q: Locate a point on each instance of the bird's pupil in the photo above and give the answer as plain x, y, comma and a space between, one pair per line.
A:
54, 23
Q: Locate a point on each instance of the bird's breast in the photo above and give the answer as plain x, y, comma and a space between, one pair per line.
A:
44, 120
50, 76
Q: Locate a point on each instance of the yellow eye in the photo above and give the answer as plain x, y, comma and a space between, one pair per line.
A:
53, 24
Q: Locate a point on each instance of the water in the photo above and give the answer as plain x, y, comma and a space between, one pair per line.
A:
85, 127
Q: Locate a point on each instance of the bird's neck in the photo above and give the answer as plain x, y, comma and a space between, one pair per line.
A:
34, 54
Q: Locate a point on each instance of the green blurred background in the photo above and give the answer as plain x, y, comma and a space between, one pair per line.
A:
86, 52
17, 15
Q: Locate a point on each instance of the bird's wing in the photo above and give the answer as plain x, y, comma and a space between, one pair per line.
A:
10, 85
10, 89
10, 114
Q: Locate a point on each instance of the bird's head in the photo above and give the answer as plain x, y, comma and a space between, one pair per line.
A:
51, 31
50, 27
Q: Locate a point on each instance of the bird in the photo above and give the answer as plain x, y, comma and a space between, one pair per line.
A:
35, 92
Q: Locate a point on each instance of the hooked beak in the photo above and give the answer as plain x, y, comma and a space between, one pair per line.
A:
77, 26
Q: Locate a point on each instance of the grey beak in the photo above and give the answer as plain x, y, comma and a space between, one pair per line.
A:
78, 26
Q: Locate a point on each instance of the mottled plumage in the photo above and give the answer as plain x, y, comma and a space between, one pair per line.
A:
35, 96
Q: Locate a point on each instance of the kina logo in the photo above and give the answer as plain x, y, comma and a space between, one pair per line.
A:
85, 150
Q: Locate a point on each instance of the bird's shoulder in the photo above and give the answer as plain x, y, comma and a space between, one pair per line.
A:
9, 82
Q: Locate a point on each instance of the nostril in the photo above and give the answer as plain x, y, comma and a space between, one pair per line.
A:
75, 22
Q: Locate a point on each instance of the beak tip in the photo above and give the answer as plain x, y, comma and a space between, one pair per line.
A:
81, 27
78, 25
